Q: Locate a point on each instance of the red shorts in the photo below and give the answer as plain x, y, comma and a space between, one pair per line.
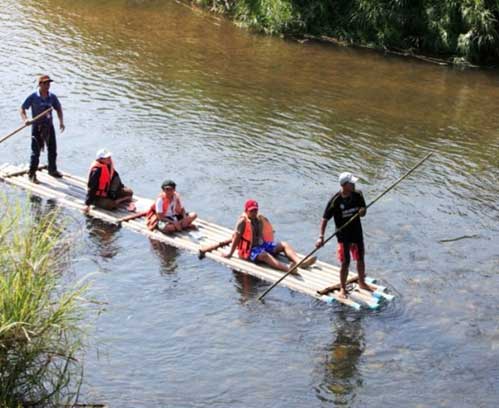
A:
356, 250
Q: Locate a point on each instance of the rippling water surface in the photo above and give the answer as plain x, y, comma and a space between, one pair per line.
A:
179, 93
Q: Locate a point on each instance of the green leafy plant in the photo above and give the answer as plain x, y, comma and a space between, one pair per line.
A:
40, 318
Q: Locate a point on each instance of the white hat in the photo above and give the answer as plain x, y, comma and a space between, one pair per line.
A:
347, 178
103, 154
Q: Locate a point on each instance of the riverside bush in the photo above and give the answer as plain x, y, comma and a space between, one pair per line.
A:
39, 320
460, 29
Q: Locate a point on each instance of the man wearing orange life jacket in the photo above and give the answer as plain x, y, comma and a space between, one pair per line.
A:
104, 188
254, 240
170, 215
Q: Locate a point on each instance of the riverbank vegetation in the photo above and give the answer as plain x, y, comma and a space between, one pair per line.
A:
458, 30
39, 318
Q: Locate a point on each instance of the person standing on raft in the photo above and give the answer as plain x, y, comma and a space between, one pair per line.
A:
342, 206
42, 131
104, 188
254, 239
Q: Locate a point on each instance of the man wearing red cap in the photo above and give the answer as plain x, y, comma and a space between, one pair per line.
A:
254, 240
42, 131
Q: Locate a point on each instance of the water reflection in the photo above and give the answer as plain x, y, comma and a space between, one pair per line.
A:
103, 236
167, 255
248, 286
40, 211
342, 376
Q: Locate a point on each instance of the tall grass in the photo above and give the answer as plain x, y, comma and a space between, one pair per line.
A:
455, 29
39, 319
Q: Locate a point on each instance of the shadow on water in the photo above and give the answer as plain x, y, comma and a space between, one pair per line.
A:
342, 377
39, 210
103, 237
248, 286
167, 255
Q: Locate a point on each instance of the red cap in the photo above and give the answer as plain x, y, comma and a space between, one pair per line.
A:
250, 205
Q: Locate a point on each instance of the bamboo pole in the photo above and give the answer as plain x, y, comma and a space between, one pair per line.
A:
345, 225
131, 217
209, 248
25, 125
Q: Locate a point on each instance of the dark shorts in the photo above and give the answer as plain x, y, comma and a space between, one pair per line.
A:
267, 246
345, 249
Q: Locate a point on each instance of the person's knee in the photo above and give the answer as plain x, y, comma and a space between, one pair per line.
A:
192, 216
264, 257
281, 246
345, 264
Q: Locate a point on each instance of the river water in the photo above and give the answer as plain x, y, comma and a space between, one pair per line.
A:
229, 115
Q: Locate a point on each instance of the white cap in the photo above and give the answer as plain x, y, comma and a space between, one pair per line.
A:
347, 178
103, 154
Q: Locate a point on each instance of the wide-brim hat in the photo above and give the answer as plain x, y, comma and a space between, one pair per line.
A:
44, 78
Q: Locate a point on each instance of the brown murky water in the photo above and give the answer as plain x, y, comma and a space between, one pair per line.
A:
229, 115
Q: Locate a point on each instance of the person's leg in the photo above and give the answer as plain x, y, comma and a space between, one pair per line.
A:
171, 227
291, 254
265, 257
186, 222
361, 267
344, 255
51, 150
288, 251
35, 156
106, 204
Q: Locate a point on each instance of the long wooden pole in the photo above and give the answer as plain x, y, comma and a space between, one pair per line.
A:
356, 215
209, 248
131, 217
25, 125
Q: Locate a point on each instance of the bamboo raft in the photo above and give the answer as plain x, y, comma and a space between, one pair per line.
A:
70, 191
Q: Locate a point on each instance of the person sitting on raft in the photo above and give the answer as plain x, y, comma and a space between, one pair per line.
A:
105, 189
254, 239
168, 214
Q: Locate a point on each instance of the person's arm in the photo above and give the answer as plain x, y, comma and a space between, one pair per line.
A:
322, 231
328, 214
236, 237
58, 108
362, 205
26, 105
159, 209
180, 205
92, 186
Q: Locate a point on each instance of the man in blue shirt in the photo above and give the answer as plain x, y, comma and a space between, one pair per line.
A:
42, 130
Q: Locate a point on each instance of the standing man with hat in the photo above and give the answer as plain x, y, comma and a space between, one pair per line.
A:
342, 206
104, 188
42, 131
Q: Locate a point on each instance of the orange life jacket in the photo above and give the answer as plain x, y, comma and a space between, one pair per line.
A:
106, 175
152, 217
246, 241
177, 209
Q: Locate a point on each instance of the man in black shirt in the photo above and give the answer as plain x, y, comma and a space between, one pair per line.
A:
342, 206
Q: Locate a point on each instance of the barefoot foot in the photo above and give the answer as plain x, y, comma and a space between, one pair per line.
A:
365, 286
342, 294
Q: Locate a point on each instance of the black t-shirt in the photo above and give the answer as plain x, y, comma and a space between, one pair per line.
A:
342, 209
